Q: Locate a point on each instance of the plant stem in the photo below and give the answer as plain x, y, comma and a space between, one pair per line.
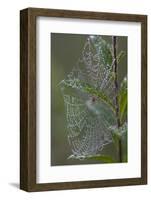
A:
115, 69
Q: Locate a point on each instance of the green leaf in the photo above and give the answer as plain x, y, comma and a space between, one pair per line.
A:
116, 137
120, 134
104, 49
85, 87
120, 56
119, 131
122, 97
124, 146
102, 158
100, 95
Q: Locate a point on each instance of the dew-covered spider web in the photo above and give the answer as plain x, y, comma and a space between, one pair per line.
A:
89, 98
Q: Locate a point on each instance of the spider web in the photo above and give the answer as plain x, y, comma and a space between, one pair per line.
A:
88, 117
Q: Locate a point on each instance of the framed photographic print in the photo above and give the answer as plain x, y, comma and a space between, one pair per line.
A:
83, 99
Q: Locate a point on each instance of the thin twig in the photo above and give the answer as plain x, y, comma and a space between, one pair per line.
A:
115, 69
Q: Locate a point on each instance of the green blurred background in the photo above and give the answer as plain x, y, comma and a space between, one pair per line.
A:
65, 52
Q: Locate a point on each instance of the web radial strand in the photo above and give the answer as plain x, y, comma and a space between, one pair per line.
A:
88, 118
